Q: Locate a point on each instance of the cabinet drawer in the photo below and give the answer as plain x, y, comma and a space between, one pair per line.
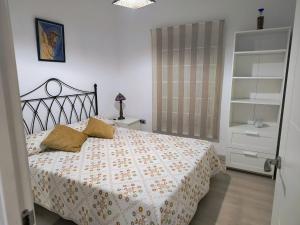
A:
253, 141
247, 160
133, 126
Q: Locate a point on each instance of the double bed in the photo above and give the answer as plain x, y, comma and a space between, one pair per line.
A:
135, 178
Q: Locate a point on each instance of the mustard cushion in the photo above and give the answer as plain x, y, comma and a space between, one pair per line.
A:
65, 139
100, 129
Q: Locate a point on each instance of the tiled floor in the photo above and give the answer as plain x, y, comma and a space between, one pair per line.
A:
235, 198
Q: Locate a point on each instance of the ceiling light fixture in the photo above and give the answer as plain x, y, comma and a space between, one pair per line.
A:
133, 4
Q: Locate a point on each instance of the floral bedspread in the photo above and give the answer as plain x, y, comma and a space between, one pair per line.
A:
136, 178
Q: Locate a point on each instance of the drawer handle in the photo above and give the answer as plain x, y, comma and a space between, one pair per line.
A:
252, 154
251, 133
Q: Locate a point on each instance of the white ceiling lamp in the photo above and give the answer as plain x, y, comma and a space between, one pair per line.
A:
134, 4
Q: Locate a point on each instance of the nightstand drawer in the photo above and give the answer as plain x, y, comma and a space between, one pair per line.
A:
129, 123
253, 141
133, 126
247, 160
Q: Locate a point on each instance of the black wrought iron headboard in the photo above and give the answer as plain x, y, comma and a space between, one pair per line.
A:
67, 105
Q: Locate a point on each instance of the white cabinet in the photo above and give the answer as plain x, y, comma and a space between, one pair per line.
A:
259, 68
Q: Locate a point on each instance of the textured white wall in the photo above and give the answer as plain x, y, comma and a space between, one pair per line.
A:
135, 43
90, 28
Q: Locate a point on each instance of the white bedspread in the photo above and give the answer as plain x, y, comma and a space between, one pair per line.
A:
136, 178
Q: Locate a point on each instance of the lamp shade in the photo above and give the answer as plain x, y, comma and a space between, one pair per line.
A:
133, 4
120, 97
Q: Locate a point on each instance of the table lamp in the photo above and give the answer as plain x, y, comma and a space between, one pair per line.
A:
120, 98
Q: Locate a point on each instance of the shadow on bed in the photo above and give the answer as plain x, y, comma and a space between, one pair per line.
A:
210, 206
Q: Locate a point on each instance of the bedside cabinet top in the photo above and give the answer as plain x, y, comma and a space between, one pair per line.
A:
127, 121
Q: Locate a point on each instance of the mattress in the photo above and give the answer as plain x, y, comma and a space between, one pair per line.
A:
136, 178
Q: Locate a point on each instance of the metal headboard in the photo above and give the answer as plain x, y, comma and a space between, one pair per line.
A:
67, 106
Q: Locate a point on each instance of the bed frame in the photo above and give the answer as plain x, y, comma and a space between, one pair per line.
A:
66, 106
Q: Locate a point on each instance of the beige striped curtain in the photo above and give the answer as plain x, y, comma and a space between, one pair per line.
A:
187, 79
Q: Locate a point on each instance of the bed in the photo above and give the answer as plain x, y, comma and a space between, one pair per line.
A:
136, 178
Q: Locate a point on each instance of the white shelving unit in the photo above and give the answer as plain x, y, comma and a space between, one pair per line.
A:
259, 69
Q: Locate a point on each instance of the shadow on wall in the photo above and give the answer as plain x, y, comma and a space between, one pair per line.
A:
209, 207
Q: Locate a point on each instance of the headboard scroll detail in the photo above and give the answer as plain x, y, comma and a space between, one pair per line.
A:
66, 105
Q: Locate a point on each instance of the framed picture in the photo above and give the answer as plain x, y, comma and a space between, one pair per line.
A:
50, 39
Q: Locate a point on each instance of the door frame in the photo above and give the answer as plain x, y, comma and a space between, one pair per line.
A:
15, 188
294, 56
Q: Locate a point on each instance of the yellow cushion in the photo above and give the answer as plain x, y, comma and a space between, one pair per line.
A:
100, 129
65, 139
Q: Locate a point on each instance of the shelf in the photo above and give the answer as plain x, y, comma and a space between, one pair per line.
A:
257, 78
264, 31
269, 129
257, 101
263, 52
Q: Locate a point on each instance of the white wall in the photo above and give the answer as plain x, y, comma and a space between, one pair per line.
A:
111, 45
135, 44
90, 28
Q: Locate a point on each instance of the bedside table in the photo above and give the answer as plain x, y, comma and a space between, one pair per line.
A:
130, 123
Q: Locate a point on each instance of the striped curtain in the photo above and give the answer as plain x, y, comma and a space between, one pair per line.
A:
187, 79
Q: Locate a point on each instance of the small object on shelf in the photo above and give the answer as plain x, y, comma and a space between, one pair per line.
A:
250, 122
260, 19
259, 123
120, 98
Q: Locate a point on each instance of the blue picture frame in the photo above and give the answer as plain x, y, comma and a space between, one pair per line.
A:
50, 37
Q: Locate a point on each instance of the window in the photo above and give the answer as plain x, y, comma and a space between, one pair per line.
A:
187, 79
